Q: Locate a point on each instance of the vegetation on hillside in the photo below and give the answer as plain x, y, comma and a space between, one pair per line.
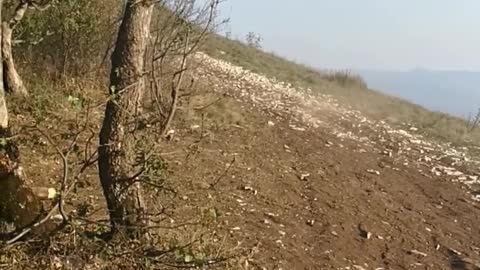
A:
348, 88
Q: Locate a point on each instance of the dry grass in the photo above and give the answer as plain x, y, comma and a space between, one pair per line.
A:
347, 88
188, 242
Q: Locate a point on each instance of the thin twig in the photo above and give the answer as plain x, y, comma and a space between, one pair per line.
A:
65, 190
42, 221
65, 171
175, 87
212, 186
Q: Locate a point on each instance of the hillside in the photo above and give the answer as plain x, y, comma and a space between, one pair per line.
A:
352, 192
268, 165
348, 89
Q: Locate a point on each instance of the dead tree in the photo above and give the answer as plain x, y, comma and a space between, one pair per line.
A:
116, 153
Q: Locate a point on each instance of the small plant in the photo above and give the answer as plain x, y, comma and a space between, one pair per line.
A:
344, 78
254, 40
473, 122
76, 102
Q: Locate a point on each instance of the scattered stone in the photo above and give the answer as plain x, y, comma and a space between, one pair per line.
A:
249, 188
304, 176
272, 215
454, 173
426, 159
373, 172
416, 252
364, 233
458, 253
297, 128
170, 134
56, 217
473, 177
388, 153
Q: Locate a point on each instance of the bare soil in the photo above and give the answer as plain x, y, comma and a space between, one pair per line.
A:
265, 190
307, 200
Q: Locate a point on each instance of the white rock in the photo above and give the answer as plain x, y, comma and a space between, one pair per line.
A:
373, 172
419, 253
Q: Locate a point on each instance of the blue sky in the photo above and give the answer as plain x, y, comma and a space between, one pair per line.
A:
373, 34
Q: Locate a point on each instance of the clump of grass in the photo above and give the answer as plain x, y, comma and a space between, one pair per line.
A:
344, 77
44, 98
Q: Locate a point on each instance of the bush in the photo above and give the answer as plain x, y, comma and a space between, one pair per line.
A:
345, 78
69, 38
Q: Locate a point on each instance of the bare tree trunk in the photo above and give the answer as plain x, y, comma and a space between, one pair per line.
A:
3, 103
117, 166
13, 83
19, 206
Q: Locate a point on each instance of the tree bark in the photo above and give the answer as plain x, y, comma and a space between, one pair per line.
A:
19, 207
11, 79
13, 83
117, 169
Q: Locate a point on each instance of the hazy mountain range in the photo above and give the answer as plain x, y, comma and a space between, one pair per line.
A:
454, 92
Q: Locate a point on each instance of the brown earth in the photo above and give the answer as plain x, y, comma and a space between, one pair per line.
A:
246, 185
340, 216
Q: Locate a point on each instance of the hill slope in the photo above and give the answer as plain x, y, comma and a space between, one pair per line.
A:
347, 89
307, 183
264, 174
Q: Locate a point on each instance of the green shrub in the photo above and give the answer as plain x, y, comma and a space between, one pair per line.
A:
69, 38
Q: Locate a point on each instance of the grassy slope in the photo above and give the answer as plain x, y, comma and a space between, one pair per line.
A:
351, 92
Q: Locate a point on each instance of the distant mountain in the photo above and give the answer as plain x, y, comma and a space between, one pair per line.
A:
453, 92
